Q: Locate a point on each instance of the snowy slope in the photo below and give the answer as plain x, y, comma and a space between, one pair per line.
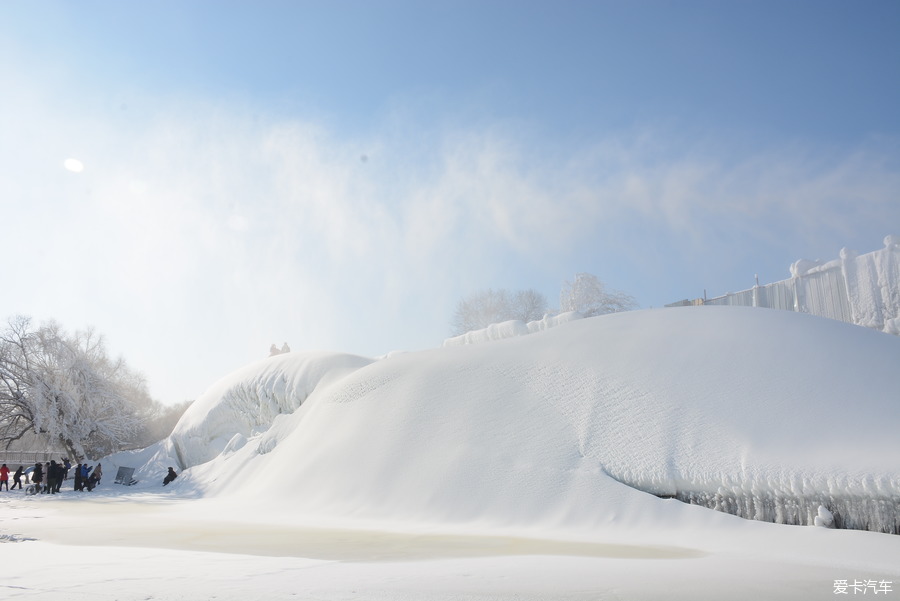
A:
765, 413
248, 401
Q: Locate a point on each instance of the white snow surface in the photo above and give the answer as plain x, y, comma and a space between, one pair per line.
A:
508, 469
530, 429
512, 328
247, 401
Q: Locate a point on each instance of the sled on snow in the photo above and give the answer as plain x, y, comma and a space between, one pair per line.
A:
125, 477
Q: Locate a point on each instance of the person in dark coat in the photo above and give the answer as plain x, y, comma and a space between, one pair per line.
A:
17, 478
37, 476
79, 481
170, 476
52, 476
60, 474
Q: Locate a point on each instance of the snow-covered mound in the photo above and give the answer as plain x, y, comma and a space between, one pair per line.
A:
768, 414
247, 401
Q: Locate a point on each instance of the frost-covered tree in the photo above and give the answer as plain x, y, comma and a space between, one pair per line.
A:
66, 388
161, 423
529, 305
483, 308
17, 412
589, 296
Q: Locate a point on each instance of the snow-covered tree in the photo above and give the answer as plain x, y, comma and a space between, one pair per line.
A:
17, 413
68, 389
529, 305
161, 423
589, 296
493, 306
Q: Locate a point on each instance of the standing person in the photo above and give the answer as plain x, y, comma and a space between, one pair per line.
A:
60, 475
79, 484
85, 477
94, 480
52, 475
17, 478
68, 465
47, 476
4, 477
37, 476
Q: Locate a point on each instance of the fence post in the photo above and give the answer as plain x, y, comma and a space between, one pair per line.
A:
851, 281
755, 300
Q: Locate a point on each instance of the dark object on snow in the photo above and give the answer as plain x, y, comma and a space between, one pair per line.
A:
124, 476
37, 476
17, 478
170, 476
82, 475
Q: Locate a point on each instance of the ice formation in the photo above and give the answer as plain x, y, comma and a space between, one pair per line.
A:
739, 409
248, 401
877, 513
513, 327
859, 289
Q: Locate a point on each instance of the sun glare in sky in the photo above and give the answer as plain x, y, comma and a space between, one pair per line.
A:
73, 165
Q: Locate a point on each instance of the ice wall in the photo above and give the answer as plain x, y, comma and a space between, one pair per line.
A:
873, 286
876, 513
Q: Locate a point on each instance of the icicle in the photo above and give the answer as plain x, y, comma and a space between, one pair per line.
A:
854, 512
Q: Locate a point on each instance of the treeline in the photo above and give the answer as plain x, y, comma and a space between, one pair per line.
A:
585, 294
64, 388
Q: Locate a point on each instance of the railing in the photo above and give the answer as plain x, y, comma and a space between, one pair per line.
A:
27, 458
822, 293
860, 289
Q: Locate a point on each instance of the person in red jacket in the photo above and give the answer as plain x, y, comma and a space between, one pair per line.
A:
4, 477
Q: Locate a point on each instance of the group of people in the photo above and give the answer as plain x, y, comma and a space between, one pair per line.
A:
48, 477
4, 478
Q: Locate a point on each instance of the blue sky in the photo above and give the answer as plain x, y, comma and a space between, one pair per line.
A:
338, 175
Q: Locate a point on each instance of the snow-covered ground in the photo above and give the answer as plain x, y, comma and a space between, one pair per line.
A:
519, 467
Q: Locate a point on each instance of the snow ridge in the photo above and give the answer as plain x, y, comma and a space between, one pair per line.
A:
740, 409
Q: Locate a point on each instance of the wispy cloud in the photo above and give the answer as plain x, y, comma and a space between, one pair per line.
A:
207, 217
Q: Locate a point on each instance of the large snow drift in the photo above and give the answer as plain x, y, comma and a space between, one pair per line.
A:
247, 401
767, 414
